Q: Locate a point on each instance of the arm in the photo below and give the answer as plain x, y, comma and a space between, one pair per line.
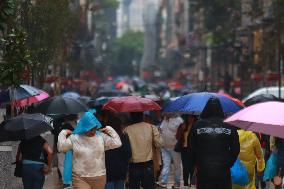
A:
111, 138
64, 144
127, 148
49, 153
234, 146
157, 139
259, 155
19, 154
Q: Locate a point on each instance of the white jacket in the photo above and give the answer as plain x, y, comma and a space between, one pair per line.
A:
89, 152
169, 129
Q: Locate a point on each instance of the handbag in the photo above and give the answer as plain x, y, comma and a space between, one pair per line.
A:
18, 168
239, 173
178, 146
270, 170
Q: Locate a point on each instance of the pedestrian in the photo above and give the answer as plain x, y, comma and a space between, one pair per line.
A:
215, 147
117, 160
143, 137
182, 146
88, 143
278, 147
251, 156
168, 128
36, 156
70, 121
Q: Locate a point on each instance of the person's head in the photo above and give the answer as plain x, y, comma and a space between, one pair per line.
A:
136, 117
91, 132
87, 125
71, 118
188, 119
115, 123
213, 108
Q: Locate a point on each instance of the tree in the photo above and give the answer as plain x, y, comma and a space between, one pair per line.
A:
16, 56
126, 56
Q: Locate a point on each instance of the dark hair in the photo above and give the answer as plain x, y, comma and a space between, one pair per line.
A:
71, 117
213, 108
115, 123
136, 117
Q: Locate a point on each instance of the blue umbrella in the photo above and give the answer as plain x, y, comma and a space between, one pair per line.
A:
71, 95
194, 104
18, 93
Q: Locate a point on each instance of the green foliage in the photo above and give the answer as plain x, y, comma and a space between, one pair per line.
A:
221, 17
128, 48
16, 60
110, 3
7, 8
51, 26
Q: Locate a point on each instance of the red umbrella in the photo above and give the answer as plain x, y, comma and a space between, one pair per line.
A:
131, 104
237, 101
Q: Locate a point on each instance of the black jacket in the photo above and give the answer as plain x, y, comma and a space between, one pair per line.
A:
214, 144
117, 160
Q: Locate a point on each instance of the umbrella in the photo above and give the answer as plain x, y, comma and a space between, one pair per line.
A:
61, 105
266, 118
71, 95
237, 101
194, 103
30, 100
99, 101
25, 126
20, 92
131, 104
260, 98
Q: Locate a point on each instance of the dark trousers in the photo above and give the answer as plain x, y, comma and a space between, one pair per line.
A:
214, 184
141, 174
187, 167
32, 176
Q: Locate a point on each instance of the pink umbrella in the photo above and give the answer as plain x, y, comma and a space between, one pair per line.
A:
266, 118
33, 99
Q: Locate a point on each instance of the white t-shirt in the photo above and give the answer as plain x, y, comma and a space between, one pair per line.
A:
89, 152
169, 129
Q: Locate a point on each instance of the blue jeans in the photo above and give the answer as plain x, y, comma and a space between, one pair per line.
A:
119, 184
168, 156
33, 177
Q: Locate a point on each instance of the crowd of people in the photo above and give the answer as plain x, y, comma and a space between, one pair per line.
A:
103, 150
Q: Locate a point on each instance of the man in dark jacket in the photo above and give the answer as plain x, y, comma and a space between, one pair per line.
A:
215, 147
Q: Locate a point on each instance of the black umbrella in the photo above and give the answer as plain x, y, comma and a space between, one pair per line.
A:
260, 98
99, 101
25, 126
61, 105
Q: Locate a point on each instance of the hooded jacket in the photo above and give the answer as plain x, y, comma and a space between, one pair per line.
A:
214, 144
88, 152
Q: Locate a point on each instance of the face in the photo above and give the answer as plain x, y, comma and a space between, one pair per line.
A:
91, 132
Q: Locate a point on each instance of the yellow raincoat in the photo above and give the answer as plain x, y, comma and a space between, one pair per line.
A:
250, 155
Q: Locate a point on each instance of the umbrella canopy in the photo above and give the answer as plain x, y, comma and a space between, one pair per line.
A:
71, 95
30, 100
237, 101
131, 104
194, 103
21, 92
61, 105
25, 126
266, 118
260, 98
99, 101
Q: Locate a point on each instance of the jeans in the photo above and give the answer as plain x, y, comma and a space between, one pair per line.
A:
119, 184
141, 174
168, 156
33, 177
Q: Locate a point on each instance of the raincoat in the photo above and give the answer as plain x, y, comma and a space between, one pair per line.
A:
250, 155
88, 159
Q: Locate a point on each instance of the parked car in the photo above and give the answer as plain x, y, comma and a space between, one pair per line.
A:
266, 90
